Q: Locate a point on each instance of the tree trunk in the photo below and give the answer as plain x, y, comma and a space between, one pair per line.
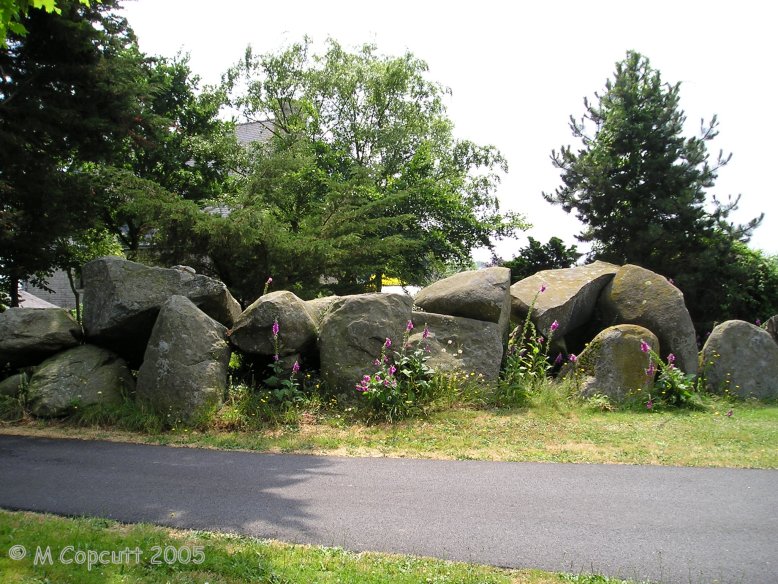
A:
14, 291
76, 295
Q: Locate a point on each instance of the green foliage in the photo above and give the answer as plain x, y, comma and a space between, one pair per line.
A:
526, 364
13, 12
361, 178
402, 385
639, 186
129, 415
67, 96
535, 257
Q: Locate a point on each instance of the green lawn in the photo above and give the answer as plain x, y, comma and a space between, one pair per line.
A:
747, 438
174, 556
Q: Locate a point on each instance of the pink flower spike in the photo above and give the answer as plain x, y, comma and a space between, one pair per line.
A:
409, 326
758, 322
541, 340
295, 367
269, 280
388, 342
644, 346
649, 404
670, 359
558, 360
275, 357
376, 362
426, 333
392, 370
572, 358
542, 288
276, 328
554, 326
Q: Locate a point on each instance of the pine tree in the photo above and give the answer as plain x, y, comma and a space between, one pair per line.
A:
639, 186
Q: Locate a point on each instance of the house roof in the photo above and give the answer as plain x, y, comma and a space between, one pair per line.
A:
27, 300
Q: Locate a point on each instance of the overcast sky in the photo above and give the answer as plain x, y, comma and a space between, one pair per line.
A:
517, 71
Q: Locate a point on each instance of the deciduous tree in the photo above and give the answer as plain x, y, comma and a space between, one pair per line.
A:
363, 171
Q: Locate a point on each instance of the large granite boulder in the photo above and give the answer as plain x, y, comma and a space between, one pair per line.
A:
741, 359
29, 335
122, 300
319, 307
614, 364
253, 330
184, 370
460, 345
771, 326
639, 296
477, 294
569, 296
353, 332
14, 385
79, 377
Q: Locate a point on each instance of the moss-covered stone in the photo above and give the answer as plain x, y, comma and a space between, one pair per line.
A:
639, 296
613, 364
78, 377
741, 359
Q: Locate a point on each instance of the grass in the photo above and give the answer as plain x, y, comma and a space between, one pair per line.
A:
225, 558
547, 430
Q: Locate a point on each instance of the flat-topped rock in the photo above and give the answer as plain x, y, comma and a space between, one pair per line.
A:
122, 300
477, 294
569, 296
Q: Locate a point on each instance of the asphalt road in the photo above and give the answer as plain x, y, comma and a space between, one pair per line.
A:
673, 525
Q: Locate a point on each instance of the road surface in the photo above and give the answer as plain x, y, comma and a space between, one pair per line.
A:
664, 524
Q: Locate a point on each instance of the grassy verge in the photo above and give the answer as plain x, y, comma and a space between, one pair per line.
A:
223, 558
562, 433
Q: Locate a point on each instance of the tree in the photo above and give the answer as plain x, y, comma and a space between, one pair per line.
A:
68, 94
639, 186
362, 172
536, 256
12, 12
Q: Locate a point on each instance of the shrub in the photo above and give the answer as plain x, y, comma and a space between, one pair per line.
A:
401, 386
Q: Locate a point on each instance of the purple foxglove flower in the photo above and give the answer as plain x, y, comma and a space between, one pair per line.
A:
670, 359
269, 280
276, 328
392, 370
542, 288
554, 326
376, 362
295, 367
572, 358
409, 326
541, 340
649, 404
426, 333
275, 357
651, 370
559, 359
758, 322
644, 346
366, 379
388, 342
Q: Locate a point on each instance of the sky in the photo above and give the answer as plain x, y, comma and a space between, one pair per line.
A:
518, 70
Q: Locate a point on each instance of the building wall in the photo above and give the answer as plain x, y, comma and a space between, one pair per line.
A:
62, 295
